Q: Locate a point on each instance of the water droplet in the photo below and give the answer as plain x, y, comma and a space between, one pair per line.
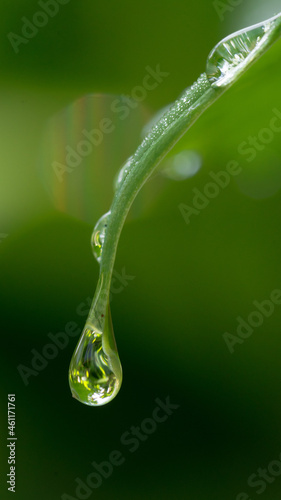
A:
98, 235
122, 174
233, 54
95, 373
182, 166
260, 179
156, 117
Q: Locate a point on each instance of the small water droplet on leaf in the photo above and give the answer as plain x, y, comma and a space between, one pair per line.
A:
122, 173
98, 235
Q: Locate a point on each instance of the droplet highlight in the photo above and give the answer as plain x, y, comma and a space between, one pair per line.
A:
234, 53
98, 236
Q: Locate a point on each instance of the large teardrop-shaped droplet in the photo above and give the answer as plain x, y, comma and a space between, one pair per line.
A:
233, 54
98, 235
95, 373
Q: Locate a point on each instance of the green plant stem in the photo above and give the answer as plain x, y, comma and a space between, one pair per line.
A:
170, 128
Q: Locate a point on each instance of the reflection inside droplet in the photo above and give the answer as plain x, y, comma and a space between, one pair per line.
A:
95, 372
98, 236
233, 54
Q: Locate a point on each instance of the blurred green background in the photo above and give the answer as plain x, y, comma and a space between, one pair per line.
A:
191, 281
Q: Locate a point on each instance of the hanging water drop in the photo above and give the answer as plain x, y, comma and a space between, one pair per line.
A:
98, 236
233, 54
95, 373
